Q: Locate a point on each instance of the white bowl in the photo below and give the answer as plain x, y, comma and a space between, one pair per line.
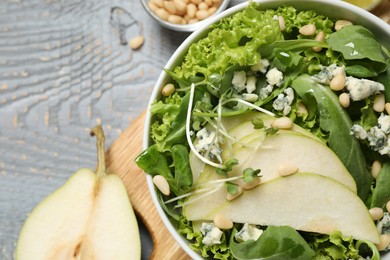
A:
332, 9
184, 27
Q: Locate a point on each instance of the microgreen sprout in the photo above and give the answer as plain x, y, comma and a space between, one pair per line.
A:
250, 174
258, 123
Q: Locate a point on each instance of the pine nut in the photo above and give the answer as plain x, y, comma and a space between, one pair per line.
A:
282, 123
202, 14
217, 2
376, 213
136, 42
181, 6
230, 197
212, 10
162, 13
170, 7
203, 6
384, 242
191, 10
387, 108
158, 3
193, 20
176, 19
375, 168
319, 37
196, 1
341, 23
168, 90
308, 29
161, 184
338, 82
388, 206
379, 103
251, 185
222, 222
152, 7
302, 110
287, 169
282, 23
209, 2
344, 100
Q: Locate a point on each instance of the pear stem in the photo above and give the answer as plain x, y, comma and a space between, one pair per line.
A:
101, 166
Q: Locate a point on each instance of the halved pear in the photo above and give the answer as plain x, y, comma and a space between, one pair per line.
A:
304, 201
89, 217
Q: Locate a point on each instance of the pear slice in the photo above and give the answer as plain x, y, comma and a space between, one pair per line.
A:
240, 125
304, 201
89, 217
291, 148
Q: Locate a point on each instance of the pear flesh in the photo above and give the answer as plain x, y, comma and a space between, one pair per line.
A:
288, 147
304, 201
89, 217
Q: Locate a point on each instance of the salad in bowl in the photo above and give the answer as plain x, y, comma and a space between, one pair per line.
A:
267, 134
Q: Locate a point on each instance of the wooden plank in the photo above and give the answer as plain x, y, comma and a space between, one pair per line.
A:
120, 160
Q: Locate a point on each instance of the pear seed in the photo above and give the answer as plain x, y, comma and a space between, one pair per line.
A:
282, 123
376, 213
384, 242
287, 169
222, 222
161, 184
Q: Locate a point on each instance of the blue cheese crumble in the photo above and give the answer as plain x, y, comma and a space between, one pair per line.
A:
248, 232
261, 66
283, 101
378, 136
360, 89
208, 144
327, 73
211, 234
239, 80
383, 226
274, 77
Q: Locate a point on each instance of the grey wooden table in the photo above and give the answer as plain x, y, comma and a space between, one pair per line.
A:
64, 69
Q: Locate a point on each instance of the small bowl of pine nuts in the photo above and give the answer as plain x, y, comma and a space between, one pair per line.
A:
183, 15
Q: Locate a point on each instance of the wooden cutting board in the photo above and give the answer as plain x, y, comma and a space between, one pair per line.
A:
120, 160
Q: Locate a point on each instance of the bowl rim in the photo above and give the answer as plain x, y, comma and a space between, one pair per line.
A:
369, 20
184, 27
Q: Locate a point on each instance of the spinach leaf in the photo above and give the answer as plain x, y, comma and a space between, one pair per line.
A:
334, 120
154, 162
381, 192
177, 131
276, 242
269, 51
183, 174
360, 50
